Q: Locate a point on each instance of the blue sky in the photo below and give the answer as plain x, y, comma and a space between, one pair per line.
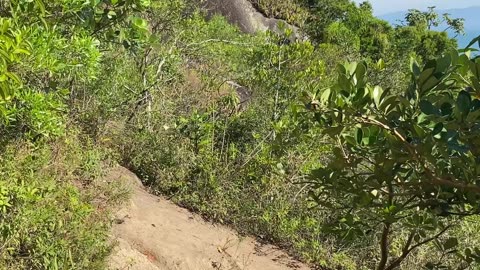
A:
388, 6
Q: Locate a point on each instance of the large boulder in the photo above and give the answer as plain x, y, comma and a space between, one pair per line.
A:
246, 17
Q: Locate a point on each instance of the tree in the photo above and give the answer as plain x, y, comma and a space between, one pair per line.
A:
366, 6
356, 27
404, 166
339, 34
53, 45
430, 19
426, 44
419, 34
426, 19
323, 13
374, 34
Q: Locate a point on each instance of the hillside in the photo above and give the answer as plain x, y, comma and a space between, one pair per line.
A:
309, 134
155, 234
472, 23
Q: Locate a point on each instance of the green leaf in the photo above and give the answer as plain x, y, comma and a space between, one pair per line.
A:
420, 132
341, 69
437, 129
427, 108
333, 131
360, 71
359, 135
111, 14
40, 6
425, 75
14, 77
464, 102
429, 84
414, 67
446, 109
377, 94
380, 64
350, 140
475, 68
475, 105
450, 243
475, 40
325, 97
388, 103
145, 3
3, 92
475, 84
468, 252
18, 51
140, 23
444, 63
352, 67
344, 83
473, 116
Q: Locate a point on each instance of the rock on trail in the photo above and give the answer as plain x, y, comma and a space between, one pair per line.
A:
152, 233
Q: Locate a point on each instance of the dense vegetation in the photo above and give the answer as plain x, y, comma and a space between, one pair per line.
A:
355, 149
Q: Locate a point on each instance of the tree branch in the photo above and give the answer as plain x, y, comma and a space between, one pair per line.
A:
405, 252
217, 40
384, 247
433, 179
450, 183
407, 249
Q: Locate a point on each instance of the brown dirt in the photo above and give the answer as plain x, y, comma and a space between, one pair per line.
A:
152, 233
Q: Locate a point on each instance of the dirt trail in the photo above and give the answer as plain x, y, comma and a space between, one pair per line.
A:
153, 233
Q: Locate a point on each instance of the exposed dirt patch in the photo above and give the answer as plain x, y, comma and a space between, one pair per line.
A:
153, 233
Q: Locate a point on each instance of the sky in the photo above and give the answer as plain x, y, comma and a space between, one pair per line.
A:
388, 6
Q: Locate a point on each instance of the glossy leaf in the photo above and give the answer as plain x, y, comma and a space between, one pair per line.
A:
464, 101
450, 243
377, 94
427, 107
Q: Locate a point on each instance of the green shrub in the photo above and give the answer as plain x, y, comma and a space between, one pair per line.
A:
47, 221
292, 11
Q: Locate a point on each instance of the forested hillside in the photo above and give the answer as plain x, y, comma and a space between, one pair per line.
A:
357, 147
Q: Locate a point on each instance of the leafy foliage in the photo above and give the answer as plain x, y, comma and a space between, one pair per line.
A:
48, 49
47, 223
402, 161
12, 47
429, 19
214, 119
292, 11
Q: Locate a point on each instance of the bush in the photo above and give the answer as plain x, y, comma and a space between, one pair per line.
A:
49, 220
292, 11
235, 165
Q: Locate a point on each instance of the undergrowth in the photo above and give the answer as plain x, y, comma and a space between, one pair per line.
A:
50, 214
292, 11
218, 121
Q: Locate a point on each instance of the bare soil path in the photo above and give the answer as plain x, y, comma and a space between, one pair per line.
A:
153, 233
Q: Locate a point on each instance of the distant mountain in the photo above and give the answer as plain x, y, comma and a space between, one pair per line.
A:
471, 16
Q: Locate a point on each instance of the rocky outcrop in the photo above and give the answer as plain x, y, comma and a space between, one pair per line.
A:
244, 94
246, 17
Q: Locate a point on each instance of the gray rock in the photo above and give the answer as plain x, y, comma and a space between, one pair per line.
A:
244, 94
246, 17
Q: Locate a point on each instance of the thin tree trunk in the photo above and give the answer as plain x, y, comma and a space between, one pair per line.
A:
384, 247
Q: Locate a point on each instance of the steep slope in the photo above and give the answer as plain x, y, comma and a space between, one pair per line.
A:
153, 233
